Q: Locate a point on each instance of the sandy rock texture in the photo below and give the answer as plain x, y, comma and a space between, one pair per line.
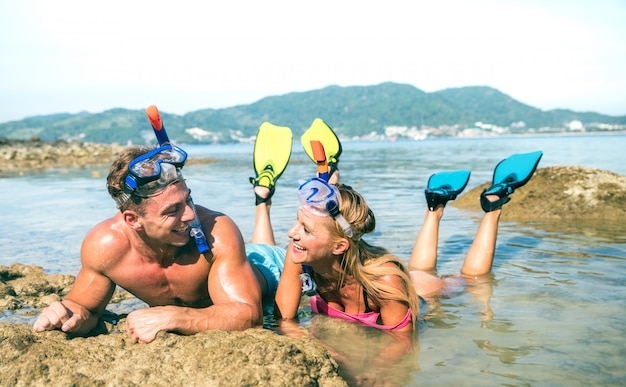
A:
215, 358
561, 193
252, 357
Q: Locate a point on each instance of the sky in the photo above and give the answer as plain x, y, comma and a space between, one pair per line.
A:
68, 56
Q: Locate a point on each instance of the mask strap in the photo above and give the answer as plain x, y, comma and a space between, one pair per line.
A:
122, 199
333, 210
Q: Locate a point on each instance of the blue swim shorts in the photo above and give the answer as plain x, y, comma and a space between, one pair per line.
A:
270, 260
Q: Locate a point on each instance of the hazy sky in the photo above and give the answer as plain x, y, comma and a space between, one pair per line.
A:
69, 56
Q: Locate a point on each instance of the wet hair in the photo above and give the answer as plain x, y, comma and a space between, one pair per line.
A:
116, 179
367, 263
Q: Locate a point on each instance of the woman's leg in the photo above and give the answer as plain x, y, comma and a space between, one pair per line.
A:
425, 283
424, 255
263, 232
441, 188
479, 258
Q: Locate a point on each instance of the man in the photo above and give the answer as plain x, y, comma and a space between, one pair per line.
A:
146, 249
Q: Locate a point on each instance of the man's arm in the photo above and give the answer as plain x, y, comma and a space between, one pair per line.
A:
233, 288
78, 313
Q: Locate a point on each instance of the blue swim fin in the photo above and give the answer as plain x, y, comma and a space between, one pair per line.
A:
445, 186
510, 174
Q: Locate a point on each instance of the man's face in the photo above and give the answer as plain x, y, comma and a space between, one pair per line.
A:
167, 215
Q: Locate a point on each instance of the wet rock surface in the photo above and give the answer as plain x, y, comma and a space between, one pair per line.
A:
252, 357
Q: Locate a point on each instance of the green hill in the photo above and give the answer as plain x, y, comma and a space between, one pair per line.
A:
354, 111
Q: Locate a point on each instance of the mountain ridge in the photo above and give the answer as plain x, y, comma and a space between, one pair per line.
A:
352, 111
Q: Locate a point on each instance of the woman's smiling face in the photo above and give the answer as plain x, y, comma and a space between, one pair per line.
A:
311, 239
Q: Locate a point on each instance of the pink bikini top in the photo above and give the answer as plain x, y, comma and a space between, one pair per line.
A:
319, 305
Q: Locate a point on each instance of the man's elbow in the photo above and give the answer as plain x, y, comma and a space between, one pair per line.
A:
256, 316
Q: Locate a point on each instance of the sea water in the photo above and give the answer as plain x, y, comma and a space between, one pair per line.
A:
552, 312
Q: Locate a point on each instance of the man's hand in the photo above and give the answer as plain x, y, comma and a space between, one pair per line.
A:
143, 325
58, 316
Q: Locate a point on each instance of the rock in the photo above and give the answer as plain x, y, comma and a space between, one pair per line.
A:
252, 357
561, 193
18, 157
29, 286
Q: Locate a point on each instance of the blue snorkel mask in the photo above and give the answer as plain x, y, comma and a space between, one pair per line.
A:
322, 199
150, 173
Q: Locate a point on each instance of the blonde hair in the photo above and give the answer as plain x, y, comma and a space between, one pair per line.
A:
367, 263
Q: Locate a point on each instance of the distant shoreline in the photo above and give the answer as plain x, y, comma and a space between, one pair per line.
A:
562, 134
506, 136
18, 157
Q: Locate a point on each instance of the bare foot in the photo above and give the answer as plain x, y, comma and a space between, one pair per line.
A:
262, 192
492, 198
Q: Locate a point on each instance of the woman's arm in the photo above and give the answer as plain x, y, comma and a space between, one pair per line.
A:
289, 290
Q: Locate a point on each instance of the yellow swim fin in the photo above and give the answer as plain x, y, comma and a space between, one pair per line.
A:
272, 150
320, 131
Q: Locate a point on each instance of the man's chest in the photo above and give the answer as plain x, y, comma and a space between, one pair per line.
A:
176, 284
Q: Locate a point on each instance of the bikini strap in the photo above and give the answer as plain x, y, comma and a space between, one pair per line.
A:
367, 307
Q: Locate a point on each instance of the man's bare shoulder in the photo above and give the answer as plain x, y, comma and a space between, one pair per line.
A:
226, 238
105, 243
212, 219
204, 212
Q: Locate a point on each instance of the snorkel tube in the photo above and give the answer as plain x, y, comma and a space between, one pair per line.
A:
161, 135
320, 159
309, 287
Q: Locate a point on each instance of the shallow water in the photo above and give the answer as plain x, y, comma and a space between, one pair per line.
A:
551, 313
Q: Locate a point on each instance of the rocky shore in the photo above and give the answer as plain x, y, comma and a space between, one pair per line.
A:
253, 357
20, 156
216, 358
557, 196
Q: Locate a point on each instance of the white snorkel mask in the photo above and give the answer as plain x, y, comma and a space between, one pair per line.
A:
322, 199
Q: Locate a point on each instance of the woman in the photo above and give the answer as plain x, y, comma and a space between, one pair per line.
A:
351, 279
